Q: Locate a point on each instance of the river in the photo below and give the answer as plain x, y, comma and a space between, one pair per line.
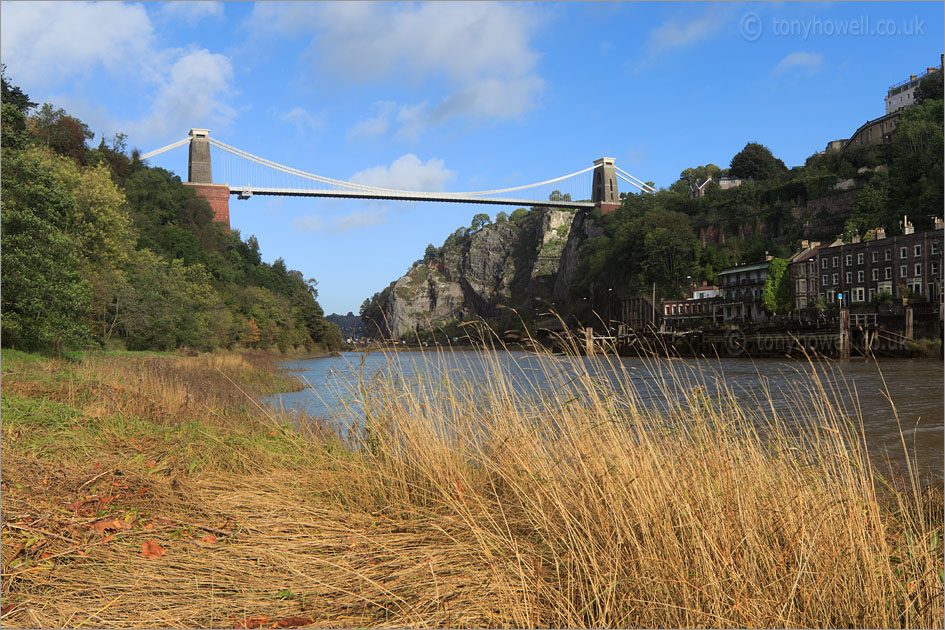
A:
878, 392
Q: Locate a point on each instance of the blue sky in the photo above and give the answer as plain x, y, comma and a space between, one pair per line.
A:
450, 96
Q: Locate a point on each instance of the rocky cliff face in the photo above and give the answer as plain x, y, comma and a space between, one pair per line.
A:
505, 264
583, 228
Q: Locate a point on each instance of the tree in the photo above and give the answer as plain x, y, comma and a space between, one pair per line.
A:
45, 303
429, 254
776, 297
61, 132
479, 221
13, 95
518, 214
501, 216
557, 196
756, 161
930, 88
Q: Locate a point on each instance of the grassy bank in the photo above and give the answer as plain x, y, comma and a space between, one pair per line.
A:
150, 491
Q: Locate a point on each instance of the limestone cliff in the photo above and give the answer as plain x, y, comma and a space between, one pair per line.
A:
474, 272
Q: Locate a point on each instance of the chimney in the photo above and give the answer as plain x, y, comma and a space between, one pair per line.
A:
856, 238
880, 233
939, 224
805, 244
906, 225
912, 77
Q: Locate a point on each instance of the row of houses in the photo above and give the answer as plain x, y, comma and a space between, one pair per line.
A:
908, 266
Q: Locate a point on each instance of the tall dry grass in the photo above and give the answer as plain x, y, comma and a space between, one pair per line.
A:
460, 499
591, 508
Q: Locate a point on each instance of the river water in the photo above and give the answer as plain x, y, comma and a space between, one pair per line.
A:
911, 390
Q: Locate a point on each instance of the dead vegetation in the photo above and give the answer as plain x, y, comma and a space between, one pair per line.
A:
153, 492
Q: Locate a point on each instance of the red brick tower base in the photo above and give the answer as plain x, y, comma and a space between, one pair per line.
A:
218, 195
606, 207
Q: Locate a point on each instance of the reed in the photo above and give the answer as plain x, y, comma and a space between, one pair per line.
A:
461, 498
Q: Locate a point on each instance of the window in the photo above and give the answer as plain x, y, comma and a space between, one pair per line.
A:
823, 280
918, 250
872, 294
934, 268
934, 248
823, 263
859, 276
918, 269
902, 252
802, 286
902, 271
875, 257
836, 262
835, 279
859, 258
858, 294
888, 275
849, 277
875, 274
888, 255
831, 295
849, 260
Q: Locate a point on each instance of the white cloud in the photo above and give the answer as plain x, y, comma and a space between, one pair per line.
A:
371, 128
192, 94
303, 121
481, 51
810, 62
343, 223
408, 173
675, 33
45, 42
191, 12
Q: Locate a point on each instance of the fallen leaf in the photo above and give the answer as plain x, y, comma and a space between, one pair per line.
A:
150, 549
107, 523
293, 622
150, 463
8, 608
82, 553
149, 525
108, 539
210, 539
252, 622
143, 490
45, 555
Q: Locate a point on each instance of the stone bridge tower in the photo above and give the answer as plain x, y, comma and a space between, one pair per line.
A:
200, 176
604, 189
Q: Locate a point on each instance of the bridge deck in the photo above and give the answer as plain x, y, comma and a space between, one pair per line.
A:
247, 192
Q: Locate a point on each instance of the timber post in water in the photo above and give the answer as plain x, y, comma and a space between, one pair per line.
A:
909, 323
844, 338
589, 340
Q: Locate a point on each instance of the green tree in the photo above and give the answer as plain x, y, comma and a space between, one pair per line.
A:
479, 221
757, 162
45, 302
518, 214
501, 216
61, 132
12, 94
776, 297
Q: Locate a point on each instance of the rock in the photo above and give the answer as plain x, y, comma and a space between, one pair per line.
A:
506, 264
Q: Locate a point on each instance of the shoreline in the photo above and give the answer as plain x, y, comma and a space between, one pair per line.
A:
160, 482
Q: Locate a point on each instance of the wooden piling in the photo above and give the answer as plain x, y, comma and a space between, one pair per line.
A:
844, 338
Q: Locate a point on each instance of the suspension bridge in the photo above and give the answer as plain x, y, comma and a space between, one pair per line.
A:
247, 175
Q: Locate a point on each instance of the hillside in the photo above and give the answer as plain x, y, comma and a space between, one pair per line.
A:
100, 250
582, 263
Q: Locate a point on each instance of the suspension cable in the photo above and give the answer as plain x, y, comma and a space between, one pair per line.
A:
163, 149
633, 180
